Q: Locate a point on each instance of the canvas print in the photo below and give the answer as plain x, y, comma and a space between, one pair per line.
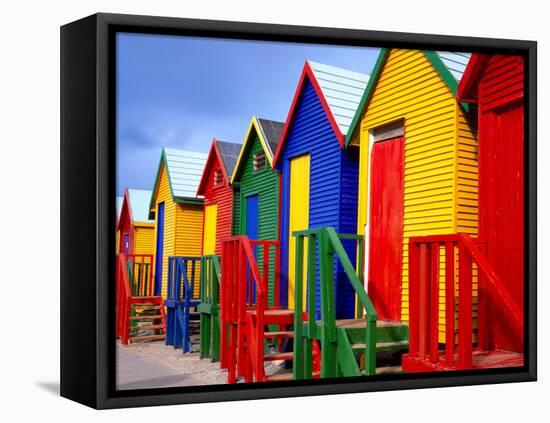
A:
292, 211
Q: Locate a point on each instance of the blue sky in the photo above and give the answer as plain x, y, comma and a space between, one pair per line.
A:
181, 92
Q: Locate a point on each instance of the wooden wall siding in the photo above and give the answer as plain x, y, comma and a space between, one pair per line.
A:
222, 195
311, 132
144, 239
502, 82
440, 154
236, 225
188, 236
265, 183
164, 195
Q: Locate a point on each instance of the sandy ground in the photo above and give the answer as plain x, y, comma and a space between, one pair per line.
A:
156, 365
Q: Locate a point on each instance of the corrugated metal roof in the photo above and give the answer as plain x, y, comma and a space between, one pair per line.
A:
139, 204
229, 152
455, 61
271, 131
184, 171
342, 90
119, 201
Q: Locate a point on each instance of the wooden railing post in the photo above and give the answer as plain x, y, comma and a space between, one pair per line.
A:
328, 348
450, 264
433, 302
414, 298
464, 308
298, 354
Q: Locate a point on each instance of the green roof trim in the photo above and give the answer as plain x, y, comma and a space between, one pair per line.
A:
162, 159
445, 74
366, 95
180, 200
435, 61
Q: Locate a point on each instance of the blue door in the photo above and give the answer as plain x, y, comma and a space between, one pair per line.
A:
252, 217
160, 249
126, 242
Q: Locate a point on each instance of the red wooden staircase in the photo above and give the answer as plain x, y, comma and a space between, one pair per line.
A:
140, 316
254, 330
462, 258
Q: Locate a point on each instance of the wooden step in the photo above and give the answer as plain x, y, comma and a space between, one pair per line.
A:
389, 370
146, 338
279, 334
282, 377
143, 307
146, 327
145, 317
384, 346
151, 297
278, 356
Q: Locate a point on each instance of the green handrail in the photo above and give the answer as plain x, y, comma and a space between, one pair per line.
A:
350, 271
210, 280
329, 244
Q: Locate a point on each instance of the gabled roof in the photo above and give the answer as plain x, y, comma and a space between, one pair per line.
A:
466, 87
184, 169
269, 133
229, 152
136, 202
226, 153
339, 91
449, 65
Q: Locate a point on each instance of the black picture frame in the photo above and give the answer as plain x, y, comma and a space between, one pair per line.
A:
88, 209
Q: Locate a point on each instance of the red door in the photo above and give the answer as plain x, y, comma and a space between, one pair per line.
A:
386, 227
501, 210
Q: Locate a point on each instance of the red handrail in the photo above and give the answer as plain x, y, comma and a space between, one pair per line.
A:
142, 284
424, 289
243, 288
122, 298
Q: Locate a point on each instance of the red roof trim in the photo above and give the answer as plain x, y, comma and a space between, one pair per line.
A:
466, 92
208, 165
126, 206
308, 73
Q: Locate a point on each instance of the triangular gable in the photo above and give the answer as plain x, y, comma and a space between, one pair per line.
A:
229, 151
467, 86
183, 169
339, 92
437, 59
214, 155
125, 211
269, 133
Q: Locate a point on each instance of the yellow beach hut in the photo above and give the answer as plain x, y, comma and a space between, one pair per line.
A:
178, 213
418, 167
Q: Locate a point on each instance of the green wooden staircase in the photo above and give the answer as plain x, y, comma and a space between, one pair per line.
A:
355, 347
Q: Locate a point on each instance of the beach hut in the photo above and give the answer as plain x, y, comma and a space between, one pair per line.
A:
418, 166
178, 213
137, 231
319, 177
495, 84
256, 184
215, 188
